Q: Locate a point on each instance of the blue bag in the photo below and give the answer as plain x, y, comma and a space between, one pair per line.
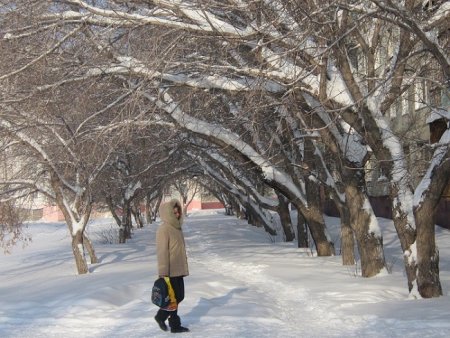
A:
160, 293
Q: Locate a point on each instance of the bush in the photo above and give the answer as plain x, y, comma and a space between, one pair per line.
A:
11, 227
107, 235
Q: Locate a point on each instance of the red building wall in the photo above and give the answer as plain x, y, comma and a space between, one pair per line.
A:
52, 214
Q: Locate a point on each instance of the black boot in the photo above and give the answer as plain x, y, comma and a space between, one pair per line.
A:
161, 324
179, 329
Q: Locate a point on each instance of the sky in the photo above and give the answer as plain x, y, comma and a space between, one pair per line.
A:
242, 283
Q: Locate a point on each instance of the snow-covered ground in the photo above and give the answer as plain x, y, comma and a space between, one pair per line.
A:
242, 284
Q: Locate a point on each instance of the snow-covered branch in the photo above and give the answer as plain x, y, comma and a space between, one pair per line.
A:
203, 21
229, 138
239, 176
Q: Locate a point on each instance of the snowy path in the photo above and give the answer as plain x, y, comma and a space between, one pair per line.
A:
240, 285
274, 307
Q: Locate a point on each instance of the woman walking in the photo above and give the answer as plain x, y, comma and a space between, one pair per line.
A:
172, 261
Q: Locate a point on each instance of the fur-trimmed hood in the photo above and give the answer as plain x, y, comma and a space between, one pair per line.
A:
167, 215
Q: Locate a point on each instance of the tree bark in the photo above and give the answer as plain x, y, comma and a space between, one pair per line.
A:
365, 226
78, 252
136, 211
235, 206
428, 282
255, 218
347, 237
313, 216
302, 232
126, 222
158, 203
317, 227
112, 210
407, 237
81, 215
285, 218
90, 249
185, 205
148, 210
316, 223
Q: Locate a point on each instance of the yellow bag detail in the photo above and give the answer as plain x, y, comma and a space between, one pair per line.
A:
173, 301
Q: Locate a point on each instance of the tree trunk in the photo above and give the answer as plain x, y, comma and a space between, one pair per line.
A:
136, 211
317, 227
90, 249
112, 210
148, 209
185, 206
235, 205
225, 199
302, 232
255, 217
250, 218
314, 217
125, 230
122, 236
406, 244
347, 237
285, 218
80, 215
148, 213
407, 236
428, 282
365, 226
370, 250
228, 210
78, 252
158, 203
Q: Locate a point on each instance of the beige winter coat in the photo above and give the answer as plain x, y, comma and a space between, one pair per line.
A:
170, 247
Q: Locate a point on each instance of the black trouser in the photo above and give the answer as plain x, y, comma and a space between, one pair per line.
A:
178, 288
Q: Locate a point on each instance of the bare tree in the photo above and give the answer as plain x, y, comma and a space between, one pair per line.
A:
188, 188
136, 170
